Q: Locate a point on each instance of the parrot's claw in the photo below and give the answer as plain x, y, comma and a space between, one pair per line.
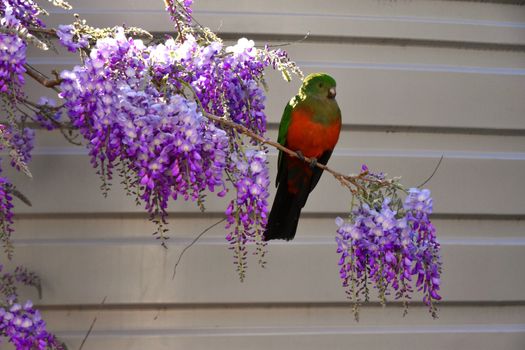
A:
300, 155
313, 161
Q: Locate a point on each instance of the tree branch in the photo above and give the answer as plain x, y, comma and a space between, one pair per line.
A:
345, 180
48, 31
40, 78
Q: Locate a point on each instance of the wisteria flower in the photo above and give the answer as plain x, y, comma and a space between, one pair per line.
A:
69, 39
387, 244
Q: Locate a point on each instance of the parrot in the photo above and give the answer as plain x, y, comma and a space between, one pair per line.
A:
310, 126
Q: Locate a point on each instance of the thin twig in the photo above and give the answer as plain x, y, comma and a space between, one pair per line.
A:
12, 189
181, 36
433, 173
42, 79
306, 36
48, 31
91, 327
192, 243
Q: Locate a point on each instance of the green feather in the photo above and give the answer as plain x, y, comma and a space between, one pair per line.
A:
283, 132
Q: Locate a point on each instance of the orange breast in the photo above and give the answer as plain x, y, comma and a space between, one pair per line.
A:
311, 138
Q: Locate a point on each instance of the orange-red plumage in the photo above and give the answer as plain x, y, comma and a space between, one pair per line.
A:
313, 139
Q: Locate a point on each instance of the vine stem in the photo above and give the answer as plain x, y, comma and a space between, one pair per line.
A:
192, 243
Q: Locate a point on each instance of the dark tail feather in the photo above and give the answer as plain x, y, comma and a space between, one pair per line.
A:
286, 209
284, 216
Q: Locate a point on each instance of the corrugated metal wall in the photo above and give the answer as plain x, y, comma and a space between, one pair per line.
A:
416, 80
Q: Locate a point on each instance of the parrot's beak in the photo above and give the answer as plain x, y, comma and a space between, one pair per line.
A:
331, 93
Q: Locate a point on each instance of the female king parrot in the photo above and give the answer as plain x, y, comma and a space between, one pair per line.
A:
310, 125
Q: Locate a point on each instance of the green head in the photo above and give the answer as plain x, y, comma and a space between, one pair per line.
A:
319, 85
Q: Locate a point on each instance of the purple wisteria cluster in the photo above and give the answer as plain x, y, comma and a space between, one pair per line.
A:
22, 12
16, 15
224, 79
167, 148
388, 243
247, 213
22, 325
12, 60
19, 144
48, 116
12, 48
6, 214
70, 39
179, 10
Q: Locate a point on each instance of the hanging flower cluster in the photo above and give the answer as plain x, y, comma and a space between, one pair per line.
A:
48, 116
22, 325
16, 15
19, 144
131, 117
69, 38
24, 12
247, 213
179, 9
12, 60
386, 243
12, 47
6, 215
225, 80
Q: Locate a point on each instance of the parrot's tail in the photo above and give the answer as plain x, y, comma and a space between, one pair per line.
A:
284, 216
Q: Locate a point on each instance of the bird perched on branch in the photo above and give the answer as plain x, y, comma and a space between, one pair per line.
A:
310, 125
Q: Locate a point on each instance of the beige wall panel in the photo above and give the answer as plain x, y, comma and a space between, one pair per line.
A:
378, 321
380, 54
123, 272
430, 21
355, 140
424, 96
474, 10
30, 229
339, 339
116, 318
419, 98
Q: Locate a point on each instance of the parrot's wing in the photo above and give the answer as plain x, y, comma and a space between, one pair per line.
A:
316, 172
283, 132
